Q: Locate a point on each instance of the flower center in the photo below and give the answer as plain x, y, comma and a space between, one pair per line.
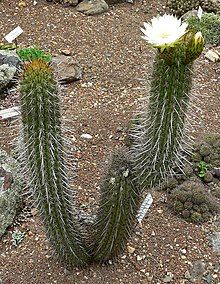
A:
164, 35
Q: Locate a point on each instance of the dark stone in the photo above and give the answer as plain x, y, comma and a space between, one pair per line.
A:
216, 172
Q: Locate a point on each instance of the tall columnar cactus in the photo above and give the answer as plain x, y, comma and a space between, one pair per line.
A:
118, 209
44, 149
159, 133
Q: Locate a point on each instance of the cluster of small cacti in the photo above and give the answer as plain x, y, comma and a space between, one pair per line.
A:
180, 7
192, 202
208, 150
205, 164
45, 155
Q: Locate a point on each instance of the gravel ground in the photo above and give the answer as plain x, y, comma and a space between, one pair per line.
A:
117, 66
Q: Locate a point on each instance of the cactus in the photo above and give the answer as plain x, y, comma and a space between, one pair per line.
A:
118, 209
44, 148
158, 137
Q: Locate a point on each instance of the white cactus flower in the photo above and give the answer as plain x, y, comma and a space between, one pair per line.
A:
164, 31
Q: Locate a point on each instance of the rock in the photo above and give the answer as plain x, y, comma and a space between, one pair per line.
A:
67, 52
71, 2
216, 242
212, 55
86, 136
67, 272
9, 62
140, 257
168, 278
22, 4
208, 177
130, 249
198, 270
119, 129
189, 14
208, 278
10, 191
216, 172
92, 7
68, 70
187, 275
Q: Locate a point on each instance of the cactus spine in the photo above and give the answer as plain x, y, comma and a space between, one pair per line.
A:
118, 209
46, 161
158, 137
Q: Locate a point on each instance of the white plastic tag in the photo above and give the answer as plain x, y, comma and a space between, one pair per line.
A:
13, 34
144, 207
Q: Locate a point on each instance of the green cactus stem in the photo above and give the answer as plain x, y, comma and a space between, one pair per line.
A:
44, 149
118, 209
159, 137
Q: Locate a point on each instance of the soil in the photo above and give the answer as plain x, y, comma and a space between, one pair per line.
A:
117, 66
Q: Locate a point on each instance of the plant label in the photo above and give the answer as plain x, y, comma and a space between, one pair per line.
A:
13, 34
144, 207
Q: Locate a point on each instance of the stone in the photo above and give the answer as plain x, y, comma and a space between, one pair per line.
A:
189, 14
198, 270
212, 55
22, 4
71, 2
10, 191
67, 52
216, 172
130, 249
187, 275
68, 70
92, 7
216, 242
9, 63
86, 136
168, 278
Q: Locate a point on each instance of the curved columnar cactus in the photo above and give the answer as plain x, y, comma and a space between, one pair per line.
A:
118, 209
158, 136
46, 161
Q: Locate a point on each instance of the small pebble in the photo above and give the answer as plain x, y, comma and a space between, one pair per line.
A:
86, 136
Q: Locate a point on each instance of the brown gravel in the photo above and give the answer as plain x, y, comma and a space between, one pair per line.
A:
117, 67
